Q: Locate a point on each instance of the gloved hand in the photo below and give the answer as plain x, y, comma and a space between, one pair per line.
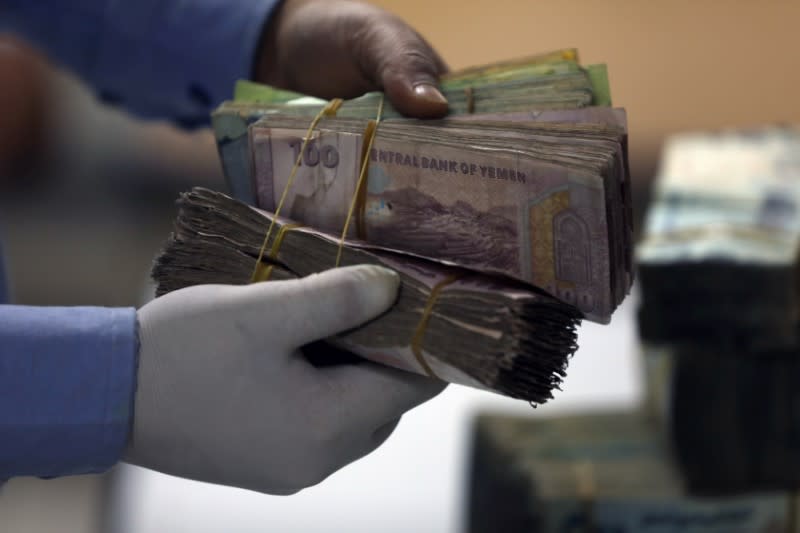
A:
225, 396
343, 48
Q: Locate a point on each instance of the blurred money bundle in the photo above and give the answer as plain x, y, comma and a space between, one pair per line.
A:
720, 305
509, 220
716, 445
718, 262
605, 472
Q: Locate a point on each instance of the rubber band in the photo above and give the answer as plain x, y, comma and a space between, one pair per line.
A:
359, 195
419, 332
469, 92
264, 271
276, 244
328, 111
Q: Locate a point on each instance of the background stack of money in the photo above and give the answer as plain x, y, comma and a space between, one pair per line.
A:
735, 419
721, 292
607, 472
724, 231
527, 176
715, 446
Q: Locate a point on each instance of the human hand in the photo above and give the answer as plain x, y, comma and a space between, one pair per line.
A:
225, 396
23, 106
344, 48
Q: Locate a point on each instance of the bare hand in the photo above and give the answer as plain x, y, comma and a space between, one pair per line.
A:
344, 48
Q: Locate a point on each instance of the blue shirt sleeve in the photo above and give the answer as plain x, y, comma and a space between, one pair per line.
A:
67, 383
173, 59
3, 280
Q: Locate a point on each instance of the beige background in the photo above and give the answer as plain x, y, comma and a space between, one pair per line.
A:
674, 65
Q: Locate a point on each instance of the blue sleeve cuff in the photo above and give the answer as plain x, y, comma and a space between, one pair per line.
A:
175, 59
67, 383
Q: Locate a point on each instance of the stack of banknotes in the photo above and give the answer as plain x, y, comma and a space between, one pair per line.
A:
720, 307
604, 472
719, 258
734, 419
531, 180
483, 331
509, 220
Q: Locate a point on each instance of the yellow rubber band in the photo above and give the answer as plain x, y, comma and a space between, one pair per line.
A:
469, 92
368, 139
264, 271
327, 111
419, 333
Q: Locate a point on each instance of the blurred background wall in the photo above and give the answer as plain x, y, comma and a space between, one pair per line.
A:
674, 65
84, 228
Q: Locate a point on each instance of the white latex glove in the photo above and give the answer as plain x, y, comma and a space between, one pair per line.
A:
225, 396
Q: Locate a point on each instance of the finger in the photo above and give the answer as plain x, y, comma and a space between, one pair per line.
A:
362, 405
369, 396
324, 304
380, 435
405, 66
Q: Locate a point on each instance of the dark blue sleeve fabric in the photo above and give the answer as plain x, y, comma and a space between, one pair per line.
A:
67, 384
171, 59
3, 277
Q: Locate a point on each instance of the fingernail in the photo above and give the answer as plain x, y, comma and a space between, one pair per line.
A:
429, 93
381, 285
387, 277
386, 273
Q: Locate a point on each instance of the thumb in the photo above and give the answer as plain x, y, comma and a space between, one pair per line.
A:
407, 68
324, 304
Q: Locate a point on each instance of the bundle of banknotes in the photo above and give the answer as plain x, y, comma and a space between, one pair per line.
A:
719, 259
508, 220
527, 176
731, 415
720, 303
734, 419
482, 330
603, 472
